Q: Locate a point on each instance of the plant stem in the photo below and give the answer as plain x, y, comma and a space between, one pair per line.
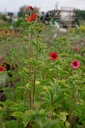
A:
35, 69
34, 84
72, 120
30, 69
37, 50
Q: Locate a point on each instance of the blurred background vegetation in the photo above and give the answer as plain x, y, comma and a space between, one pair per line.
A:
11, 22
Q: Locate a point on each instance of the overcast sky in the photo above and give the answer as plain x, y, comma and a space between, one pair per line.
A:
44, 5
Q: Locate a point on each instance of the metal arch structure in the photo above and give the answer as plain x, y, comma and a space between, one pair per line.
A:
65, 16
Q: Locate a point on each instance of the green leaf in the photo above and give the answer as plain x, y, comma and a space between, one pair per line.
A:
18, 114
62, 116
67, 124
58, 99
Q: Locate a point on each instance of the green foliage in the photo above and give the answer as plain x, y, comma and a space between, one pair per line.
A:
81, 29
3, 17
46, 93
17, 23
81, 14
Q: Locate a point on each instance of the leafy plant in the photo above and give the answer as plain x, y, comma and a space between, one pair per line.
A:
47, 85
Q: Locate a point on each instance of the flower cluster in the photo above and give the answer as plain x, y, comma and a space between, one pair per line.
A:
2, 68
32, 18
54, 56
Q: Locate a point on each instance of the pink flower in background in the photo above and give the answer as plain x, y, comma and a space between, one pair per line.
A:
54, 56
75, 64
31, 7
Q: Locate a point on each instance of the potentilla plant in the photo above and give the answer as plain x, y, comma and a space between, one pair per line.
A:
48, 81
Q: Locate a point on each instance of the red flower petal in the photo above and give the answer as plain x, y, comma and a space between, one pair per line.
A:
31, 7
76, 49
32, 18
54, 56
2, 68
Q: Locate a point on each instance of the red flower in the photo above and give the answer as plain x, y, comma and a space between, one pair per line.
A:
54, 56
76, 49
75, 64
32, 18
31, 7
2, 68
